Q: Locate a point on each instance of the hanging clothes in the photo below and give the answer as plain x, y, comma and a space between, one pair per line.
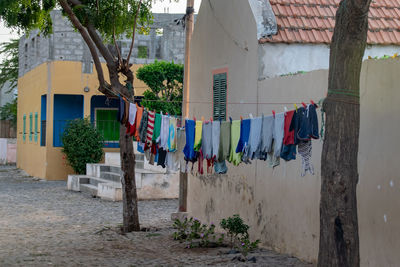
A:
140, 147
143, 127
235, 158
220, 167
190, 154
288, 152
224, 141
164, 133
255, 136
139, 115
289, 148
278, 133
197, 137
216, 132
157, 128
121, 109
267, 132
244, 135
305, 151
172, 137
200, 162
288, 138
181, 139
206, 140
150, 128
172, 161
130, 124
162, 154
206, 145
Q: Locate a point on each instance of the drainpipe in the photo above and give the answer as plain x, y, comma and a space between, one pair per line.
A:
183, 177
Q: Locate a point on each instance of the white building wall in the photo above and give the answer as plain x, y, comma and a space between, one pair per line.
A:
279, 59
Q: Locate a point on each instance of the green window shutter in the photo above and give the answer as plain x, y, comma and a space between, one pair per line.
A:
24, 128
36, 127
107, 125
219, 96
30, 126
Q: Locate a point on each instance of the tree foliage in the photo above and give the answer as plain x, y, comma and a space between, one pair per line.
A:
9, 65
82, 144
165, 81
9, 112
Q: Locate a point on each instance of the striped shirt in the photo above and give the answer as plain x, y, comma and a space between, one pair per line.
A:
150, 127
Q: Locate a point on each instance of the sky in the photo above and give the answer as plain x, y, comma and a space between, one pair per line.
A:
159, 6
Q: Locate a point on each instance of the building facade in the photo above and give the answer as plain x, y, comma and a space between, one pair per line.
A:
281, 206
58, 83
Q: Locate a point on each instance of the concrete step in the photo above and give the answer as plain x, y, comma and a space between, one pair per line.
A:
110, 176
89, 188
94, 180
110, 191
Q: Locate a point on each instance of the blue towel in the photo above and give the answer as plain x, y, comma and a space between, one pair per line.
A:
244, 135
188, 150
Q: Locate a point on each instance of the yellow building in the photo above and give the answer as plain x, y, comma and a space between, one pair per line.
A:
48, 96
57, 82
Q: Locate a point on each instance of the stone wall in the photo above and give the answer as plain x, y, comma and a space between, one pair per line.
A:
166, 41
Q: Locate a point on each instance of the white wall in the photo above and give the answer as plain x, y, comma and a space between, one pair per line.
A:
278, 58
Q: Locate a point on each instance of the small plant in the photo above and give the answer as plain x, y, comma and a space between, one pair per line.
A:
246, 246
82, 144
235, 227
237, 231
195, 233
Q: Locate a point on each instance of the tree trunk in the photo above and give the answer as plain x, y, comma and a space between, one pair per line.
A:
129, 195
339, 241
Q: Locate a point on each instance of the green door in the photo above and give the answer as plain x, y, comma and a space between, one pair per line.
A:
107, 124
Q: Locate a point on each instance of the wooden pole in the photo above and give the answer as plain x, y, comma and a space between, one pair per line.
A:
183, 177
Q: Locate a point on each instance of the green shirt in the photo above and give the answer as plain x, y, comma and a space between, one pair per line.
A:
157, 128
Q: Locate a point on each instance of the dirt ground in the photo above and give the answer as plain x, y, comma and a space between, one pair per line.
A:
43, 224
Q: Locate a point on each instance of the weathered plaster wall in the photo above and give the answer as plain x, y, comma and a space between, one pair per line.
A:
282, 207
278, 58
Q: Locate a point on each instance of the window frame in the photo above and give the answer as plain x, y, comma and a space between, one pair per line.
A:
214, 73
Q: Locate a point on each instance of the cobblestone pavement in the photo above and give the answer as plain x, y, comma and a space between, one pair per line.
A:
42, 224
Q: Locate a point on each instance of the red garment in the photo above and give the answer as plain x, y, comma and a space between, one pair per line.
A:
288, 138
200, 162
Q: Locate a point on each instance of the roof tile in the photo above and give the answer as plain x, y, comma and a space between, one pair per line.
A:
312, 21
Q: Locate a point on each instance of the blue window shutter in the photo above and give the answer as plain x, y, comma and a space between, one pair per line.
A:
30, 127
219, 96
24, 128
36, 127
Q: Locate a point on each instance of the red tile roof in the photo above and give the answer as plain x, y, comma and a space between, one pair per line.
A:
312, 21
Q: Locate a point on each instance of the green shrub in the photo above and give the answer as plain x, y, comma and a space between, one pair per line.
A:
82, 144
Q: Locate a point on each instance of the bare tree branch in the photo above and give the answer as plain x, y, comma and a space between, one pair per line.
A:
89, 42
133, 34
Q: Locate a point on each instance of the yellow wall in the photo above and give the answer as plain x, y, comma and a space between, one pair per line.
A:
30, 155
57, 77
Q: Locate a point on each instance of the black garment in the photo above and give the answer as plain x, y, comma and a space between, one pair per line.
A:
121, 110
143, 127
162, 154
305, 124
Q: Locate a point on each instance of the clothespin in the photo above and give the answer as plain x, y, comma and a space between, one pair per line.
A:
250, 116
230, 118
202, 118
304, 104
295, 106
273, 113
211, 119
286, 110
194, 118
241, 118
312, 102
